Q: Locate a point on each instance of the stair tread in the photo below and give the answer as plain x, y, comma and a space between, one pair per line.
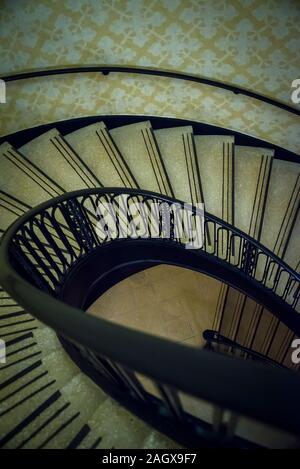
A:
293, 246
87, 395
215, 159
52, 154
281, 205
156, 440
63, 438
117, 427
16, 390
52, 421
137, 143
95, 146
17, 363
29, 394
11, 170
11, 325
60, 367
18, 415
251, 172
178, 153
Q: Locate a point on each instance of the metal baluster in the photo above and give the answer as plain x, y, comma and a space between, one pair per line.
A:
217, 419
41, 247
60, 253
130, 380
171, 400
36, 256
76, 218
23, 264
249, 258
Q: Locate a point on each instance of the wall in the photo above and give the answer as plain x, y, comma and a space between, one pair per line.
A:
252, 43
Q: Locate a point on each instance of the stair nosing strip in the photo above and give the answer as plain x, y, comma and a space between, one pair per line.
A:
26, 398
60, 429
29, 176
30, 418
39, 172
44, 424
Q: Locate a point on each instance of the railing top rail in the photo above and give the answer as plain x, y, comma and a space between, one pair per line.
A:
106, 69
229, 382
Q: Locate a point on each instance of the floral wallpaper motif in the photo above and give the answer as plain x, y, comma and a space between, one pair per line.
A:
252, 43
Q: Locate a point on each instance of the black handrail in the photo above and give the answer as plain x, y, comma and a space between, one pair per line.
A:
35, 284
106, 69
214, 337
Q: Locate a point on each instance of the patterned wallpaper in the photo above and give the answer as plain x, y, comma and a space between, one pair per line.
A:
252, 43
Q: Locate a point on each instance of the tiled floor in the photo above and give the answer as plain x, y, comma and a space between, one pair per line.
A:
165, 300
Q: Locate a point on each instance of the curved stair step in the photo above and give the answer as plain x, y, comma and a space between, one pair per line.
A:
16, 364
138, 145
281, 206
117, 427
17, 322
13, 424
252, 171
54, 425
97, 149
48, 338
16, 352
9, 305
215, 154
22, 384
32, 187
156, 440
86, 398
289, 256
11, 209
52, 154
60, 367
293, 246
178, 152
26, 398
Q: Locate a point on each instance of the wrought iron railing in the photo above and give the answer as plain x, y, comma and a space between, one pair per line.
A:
218, 342
43, 249
60, 233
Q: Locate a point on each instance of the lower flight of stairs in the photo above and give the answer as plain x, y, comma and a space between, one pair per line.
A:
45, 400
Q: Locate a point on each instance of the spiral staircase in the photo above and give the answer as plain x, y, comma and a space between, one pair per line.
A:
59, 358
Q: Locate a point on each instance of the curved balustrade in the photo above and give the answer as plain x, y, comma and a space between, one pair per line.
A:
55, 235
43, 249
